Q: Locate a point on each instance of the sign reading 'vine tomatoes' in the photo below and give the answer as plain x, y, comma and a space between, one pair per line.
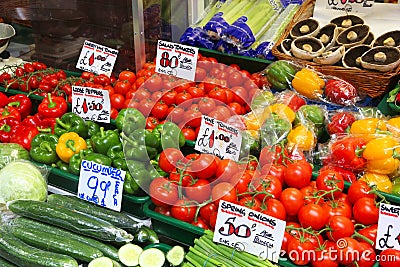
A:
91, 104
249, 230
388, 234
218, 138
176, 60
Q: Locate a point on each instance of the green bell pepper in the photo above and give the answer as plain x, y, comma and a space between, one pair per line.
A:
120, 163
76, 160
156, 167
145, 137
104, 140
127, 189
249, 146
98, 158
274, 130
261, 100
43, 148
116, 152
141, 177
93, 128
61, 165
280, 74
135, 165
130, 119
70, 122
137, 150
310, 113
169, 135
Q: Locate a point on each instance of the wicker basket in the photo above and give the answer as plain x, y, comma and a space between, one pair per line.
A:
373, 83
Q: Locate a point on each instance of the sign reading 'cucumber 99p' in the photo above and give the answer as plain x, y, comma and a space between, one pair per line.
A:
100, 184
248, 230
176, 60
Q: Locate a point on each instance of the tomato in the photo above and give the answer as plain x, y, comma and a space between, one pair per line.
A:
251, 203
369, 232
267, 187
224, 191
199, 191
347, 175
204, 166
389, 258
145, 106
240, 95
205, 211
200, 74
183, 85
182, 97
226, 169
122, 87
201, 223
286, 239
189, 133
139, 82
196, 92
164, 210
39, 65
357, 190
339, 227
298, 174
169, 159
19, 72
113, 113
176, 115
163, 192
67, 88
332, 181
184, 210
206, 105
242, 181
338, 207
151, 122
292, 100
235, 107
156, 96
274, 208
87, 75
127, 75
102, 79
34, 83
160, 110
299, 251
224, 110
169, 97
192, 118
218, 94
313, 215
324, 258
367, 256
365, 211
117, 101
235, 78
213, 219
348, 250
292, 199
276, 170
154, 83
181, 177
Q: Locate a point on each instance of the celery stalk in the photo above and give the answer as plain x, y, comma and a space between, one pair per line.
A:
209, 12
238, 10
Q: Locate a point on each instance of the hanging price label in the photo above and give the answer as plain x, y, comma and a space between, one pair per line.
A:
91, 104
102, 185
218, 138
176, 60
97, 58
249, 230
388, 234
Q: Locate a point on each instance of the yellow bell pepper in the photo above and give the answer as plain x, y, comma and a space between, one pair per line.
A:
282, 110
308, 83
393, 126
368, 126
301, 137
252, 121
68, 145
381, 181
382, 155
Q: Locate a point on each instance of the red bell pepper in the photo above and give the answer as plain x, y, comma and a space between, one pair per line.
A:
42, 124
347, 153
52, 107
32, 120
3, 100
22, 103
340, 122
10, 112
23, 135
6, 129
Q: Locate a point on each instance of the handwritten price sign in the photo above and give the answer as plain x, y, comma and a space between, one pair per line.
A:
102, 185
97, 58
176, 60
355, 6
218, 138
249, 230
388, 235
91, 104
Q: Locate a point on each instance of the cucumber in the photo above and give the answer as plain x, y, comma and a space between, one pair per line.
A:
116, 218
57, 244
129, 254
71, 220
107, 250
24, 255
152, 257
176, 255
103, 262
5, 263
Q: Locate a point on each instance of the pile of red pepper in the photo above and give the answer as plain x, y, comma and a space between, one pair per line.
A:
17, 125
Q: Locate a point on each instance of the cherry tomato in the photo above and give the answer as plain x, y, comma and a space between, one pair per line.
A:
298, 174
151, 122
339, 227
122, 87
313, 215
117, 101
127, 75
292, 199
189, 133
274, 208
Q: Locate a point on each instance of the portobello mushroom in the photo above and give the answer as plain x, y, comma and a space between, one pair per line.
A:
391, 38
330, 56
328, 34
307, 47
353, 36
305, 27
381, 58
352, 57
347, 21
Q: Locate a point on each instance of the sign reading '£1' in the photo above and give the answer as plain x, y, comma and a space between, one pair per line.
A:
388, 233
249, 230
176, 60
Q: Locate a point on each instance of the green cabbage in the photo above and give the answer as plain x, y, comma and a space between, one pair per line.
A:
22, 180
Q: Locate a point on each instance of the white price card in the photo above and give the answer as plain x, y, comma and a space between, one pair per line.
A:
176, 60
388, 234
91, 104
218, 138
97, 58
249, 230
102, 185
354, 6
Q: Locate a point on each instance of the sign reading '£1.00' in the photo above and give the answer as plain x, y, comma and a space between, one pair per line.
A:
388, 234
91, 104
102, 185
249, 230
176, 60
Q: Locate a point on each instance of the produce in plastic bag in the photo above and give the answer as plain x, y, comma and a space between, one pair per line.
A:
10, 152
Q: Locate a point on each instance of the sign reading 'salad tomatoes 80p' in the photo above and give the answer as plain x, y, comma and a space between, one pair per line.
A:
249, 230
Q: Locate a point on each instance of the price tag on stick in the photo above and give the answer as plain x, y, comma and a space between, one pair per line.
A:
388, 234
176, 60
91, 104
249, 230
96, 58
218, 138
102, 185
